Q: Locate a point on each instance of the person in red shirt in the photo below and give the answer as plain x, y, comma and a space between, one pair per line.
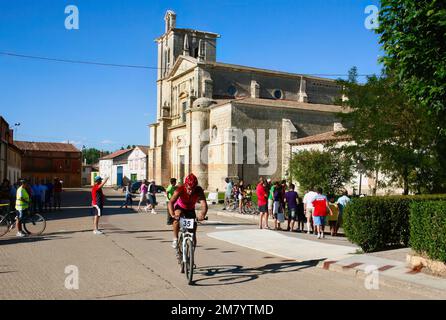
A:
262, 202
97, 201
321, 207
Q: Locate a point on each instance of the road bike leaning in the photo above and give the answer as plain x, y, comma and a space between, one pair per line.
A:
33, 224
186, 247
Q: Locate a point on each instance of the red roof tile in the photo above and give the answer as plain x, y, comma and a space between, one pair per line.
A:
115, 154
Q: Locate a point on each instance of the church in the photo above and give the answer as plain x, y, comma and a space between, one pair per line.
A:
220, 120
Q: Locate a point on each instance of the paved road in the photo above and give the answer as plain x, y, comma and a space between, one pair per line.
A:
134, 260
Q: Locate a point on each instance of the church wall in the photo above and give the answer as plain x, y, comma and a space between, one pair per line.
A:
218, 170
260, 117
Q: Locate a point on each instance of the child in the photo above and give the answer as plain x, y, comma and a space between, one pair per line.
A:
333, 218
128, 196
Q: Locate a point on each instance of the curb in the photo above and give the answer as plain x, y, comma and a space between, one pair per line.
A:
383, 279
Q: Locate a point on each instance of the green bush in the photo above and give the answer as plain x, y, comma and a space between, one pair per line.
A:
379, 223
428, 229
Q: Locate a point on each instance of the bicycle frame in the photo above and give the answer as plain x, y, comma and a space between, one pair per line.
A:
185, 234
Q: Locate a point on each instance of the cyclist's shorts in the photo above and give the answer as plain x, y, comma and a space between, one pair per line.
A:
188, 214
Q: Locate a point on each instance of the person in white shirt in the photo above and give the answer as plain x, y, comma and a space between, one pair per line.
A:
342, 203
309, 208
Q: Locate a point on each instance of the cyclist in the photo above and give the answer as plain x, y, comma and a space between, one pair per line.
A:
22, 206
182, 204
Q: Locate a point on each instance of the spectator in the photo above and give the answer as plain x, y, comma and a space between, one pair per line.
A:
342, 203
333, 218
152, 197
13, 194
262, 201
301, 219
291, 200
270, 197
22, 206
128, 195
170, 190
97, 202
42, 191
320, 205
57, 193
240, 196
278, 205
228, 192
143, 189
35, 197
309, 209
48, 195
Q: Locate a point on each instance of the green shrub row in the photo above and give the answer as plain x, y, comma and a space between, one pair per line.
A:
379, 223
428, 229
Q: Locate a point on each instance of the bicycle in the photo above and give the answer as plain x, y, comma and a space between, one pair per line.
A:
186, 247
33, 224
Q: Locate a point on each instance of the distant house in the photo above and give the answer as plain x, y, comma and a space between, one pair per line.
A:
115, 167
89, 172
50, 160
137, 163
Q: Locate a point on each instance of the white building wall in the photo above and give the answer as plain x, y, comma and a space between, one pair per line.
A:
105, 170
137, 164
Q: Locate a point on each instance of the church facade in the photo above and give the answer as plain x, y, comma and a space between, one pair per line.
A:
221, 120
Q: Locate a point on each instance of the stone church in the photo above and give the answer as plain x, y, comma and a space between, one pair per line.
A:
221, 120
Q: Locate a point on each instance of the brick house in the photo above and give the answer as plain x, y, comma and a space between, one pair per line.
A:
48, 160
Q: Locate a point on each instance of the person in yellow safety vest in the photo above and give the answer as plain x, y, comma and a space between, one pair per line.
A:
22, 206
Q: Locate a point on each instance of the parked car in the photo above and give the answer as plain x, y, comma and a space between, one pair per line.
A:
137, 184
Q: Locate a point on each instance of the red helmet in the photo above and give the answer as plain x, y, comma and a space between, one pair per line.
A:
191, 182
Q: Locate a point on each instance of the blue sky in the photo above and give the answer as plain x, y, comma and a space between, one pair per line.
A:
107, 107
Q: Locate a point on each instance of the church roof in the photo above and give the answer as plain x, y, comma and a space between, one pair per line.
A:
266, 71
331, 136
281, 104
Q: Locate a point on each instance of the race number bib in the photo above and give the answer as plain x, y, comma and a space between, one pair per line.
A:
187, 223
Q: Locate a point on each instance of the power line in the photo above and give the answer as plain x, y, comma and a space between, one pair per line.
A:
103, 64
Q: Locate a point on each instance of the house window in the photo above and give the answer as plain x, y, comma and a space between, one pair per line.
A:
278, 94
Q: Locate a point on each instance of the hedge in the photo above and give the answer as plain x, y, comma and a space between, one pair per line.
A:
428, 229
379, 223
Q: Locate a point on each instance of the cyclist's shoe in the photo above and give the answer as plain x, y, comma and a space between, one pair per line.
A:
175, 244
20, 234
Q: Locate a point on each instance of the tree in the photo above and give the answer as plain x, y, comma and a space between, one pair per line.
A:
92, 155
413, 37
323, 169
391, 134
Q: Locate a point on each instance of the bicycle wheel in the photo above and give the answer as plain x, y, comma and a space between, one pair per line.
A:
34, 224
4, 226
189, 260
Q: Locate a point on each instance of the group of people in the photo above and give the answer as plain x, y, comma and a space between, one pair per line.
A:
241, 193
281, 202
28, 198
44, 195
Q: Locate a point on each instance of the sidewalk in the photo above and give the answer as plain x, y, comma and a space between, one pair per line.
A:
335, 254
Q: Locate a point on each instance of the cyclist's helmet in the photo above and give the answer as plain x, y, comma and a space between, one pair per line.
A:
191, 182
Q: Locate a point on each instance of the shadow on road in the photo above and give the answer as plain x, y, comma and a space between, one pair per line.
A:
8, 241
234, 274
